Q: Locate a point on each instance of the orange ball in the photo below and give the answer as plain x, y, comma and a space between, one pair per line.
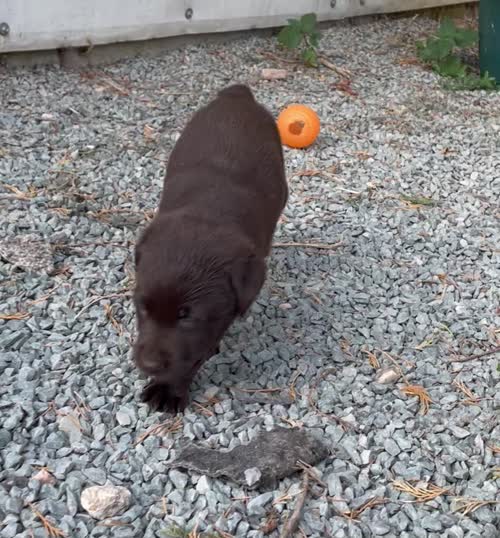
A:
298, 126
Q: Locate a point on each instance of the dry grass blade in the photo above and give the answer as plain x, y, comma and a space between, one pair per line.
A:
203, 409
44, 297
319, 246
15, 316
271, 522
291, 390
292, 423
284, 498
108, 309
51, 530
398, 368
372, 359
293, 522
194, 533
466, 506
164, 428
19, 194
495, 449
421, 494
370, 503
421, 394
471, 397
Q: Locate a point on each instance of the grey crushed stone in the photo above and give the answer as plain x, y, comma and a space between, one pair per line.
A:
418, 283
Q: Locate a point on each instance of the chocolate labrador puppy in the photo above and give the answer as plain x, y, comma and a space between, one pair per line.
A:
201, 261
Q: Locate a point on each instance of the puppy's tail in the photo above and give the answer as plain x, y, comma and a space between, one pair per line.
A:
237, 90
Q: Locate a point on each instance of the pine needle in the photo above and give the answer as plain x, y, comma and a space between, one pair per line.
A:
421, 494
51, 530
421, 394
164, 428
471, 397
467, 506
370, 503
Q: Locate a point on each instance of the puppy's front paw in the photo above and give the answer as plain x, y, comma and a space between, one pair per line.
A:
162, 397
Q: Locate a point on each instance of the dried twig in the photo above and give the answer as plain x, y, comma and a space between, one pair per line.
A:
15, 316
370, 503
293, 522
320, 246
312, 473
254, 391
483, 355
344, 73
95, 300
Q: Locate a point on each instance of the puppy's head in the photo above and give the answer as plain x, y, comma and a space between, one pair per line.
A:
189, 289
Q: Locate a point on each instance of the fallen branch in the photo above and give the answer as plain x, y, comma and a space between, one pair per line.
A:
478, 356
293, 522
321, 246
344, 73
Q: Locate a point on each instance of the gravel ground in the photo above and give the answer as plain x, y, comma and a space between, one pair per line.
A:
411, 285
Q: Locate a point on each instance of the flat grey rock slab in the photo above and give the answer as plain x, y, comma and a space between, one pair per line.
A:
274, 453
28, 252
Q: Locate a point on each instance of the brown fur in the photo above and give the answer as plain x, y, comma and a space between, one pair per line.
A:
201, 261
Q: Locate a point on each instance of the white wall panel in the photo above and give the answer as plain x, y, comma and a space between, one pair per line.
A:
50, 24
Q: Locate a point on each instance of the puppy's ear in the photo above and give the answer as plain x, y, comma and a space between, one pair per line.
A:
247, 277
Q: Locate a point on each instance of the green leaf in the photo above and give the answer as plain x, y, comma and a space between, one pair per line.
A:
487, 82
451, 66
295, 23
310, 57
308, 23
314, 38
447, 29
290, 37
461, 37
466, 38
436, 49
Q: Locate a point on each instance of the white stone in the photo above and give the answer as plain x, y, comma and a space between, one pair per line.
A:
389, 375
102, 502
203, 485
252, 476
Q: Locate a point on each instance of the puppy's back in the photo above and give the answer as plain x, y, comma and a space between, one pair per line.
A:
228, 163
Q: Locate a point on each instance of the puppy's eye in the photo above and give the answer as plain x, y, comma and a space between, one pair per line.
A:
183, 312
